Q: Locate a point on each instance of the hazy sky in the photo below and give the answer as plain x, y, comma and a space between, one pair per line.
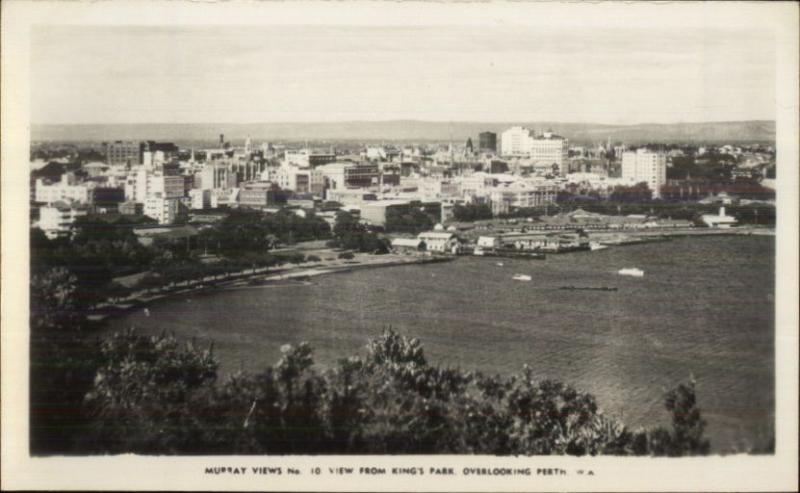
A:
235, 74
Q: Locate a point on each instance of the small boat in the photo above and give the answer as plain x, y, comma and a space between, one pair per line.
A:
631, 271
582, 288
594, 245
521, 277
499, 264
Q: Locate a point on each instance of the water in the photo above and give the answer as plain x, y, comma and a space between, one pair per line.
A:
704, 308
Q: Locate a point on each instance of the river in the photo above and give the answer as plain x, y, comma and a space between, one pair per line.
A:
705, 307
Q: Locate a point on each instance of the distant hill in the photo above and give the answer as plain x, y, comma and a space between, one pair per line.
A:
409, 130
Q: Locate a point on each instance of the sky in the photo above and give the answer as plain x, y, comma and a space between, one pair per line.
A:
492, 73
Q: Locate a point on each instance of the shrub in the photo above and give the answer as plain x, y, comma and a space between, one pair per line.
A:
153, 395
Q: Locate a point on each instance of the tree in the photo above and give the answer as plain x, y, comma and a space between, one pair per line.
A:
62, 362
686, 436
350, 234
472, 212
141, 393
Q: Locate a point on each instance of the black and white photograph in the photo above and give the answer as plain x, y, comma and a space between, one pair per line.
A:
478, 230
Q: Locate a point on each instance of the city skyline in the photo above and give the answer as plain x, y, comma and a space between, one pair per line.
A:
292, 74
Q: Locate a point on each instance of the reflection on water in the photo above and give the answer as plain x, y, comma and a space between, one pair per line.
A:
704, 307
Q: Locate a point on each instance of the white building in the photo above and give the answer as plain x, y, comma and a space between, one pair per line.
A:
550, 149
200, 199
516, 141
66, 190
56, 220
645, 166
440, 242
161, 209
521, 194
720, 220
214, 176
301, 180
145, 183
545, 149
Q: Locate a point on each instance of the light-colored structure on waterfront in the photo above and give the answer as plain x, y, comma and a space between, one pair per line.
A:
720, 220
439, 241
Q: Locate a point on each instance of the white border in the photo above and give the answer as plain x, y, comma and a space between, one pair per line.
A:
741, 473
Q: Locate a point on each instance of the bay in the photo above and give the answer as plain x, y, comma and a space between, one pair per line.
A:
704, 309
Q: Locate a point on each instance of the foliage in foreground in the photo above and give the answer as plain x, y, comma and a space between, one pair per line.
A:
153, 396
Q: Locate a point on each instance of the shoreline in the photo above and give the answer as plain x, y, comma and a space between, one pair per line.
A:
255, 279
248, 279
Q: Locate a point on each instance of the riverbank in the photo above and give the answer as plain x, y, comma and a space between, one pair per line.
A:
617, 238
260, 276
331, 264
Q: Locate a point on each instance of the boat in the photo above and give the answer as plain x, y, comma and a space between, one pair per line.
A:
521, 277
499, 264
631, 271
588, 288
594, 245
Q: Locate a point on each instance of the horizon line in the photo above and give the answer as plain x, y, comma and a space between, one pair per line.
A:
394, 120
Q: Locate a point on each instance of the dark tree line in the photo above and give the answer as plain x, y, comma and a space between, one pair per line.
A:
472, 212
350, 234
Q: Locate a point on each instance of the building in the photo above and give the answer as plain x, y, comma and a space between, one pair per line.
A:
305, 158
301, 180
550, 149
56, 220
408, 245
374, 211
516, 141
644, 166
200, 199
146, 235
128, 153
161, 209
720, 220
439, 241
487, 142
258, 195
215, 176
130, 208
521, 195
145, 183
65, 190
545, 149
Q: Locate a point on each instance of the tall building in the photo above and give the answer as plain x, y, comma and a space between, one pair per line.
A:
516, 141
161, 209
123, 152
550, 148
487, 141
645, 166
547, 148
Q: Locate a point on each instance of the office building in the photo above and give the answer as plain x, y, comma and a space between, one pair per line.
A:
487, 142
644, 166
128, 153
